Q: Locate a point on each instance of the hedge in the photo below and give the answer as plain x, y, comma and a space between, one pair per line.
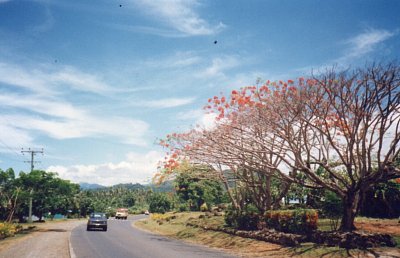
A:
292, 221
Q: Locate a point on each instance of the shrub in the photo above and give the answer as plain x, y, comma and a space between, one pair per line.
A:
8, 229
292, 221
204, 207
159, 203
183, 207
248, 219
332, 208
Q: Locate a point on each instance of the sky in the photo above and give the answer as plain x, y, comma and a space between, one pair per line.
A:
95, 84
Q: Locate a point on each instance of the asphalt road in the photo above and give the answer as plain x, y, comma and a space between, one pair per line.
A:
121, 240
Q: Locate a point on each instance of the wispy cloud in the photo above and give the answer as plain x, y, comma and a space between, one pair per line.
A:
361, 45
46, 25
42, 79
40, 105
165, 103
43, 106
180, 15
218, 66
366, 42
356, 48
136, 168
12, 136
126, 130
176, 60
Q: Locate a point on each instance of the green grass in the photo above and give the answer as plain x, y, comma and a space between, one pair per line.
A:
174, 225
397, 239
328, 224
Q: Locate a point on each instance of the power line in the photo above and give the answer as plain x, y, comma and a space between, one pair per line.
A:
33, 153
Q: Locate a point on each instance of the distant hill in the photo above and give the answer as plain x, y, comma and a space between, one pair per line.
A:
129, 186
88, 186
165, 187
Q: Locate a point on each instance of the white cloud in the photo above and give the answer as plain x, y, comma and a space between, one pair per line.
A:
136, 168
11, 137
362, 44
357, 47
177, 60
190, 115
46, 81
41, 105
165, 103
180, 15
80, 81
219, 66
207, 121
126, 130
41, 108
24, 78
365, 42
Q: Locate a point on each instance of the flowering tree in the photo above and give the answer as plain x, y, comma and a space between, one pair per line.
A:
354, 118
236, 143
345, 125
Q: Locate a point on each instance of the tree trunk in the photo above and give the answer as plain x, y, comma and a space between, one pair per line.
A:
285, 189
268, 196
350, 204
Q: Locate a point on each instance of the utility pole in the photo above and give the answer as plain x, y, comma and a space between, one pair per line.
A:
33, 153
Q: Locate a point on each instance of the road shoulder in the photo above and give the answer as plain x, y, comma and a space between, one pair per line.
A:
50, 239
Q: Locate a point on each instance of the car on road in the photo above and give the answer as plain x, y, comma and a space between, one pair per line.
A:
122, 213
97, 220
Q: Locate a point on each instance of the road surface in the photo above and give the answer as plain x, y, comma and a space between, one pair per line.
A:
122, 240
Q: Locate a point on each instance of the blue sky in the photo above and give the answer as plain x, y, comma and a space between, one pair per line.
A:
95, 83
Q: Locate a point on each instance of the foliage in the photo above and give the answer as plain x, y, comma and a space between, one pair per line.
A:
382, 201
49, 193
336, 123
159, 203
9, 229
111, 198
9, 194
332, 208
197, 192
292, 221
247, 219
204, 207
183, 207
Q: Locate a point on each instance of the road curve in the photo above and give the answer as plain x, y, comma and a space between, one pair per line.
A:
122, 241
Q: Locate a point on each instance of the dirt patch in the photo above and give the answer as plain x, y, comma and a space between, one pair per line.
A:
50, 239
391, 227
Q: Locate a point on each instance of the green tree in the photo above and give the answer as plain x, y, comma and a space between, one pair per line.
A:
159, 203
9, 194
195, 191
49, 193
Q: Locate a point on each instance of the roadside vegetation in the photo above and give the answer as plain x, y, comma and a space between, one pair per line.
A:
308, 166
175, 225
288, 153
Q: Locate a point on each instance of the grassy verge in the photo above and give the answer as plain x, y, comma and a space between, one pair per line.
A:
174, 225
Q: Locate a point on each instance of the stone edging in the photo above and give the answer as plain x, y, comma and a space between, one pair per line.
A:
349, 240
268, 235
